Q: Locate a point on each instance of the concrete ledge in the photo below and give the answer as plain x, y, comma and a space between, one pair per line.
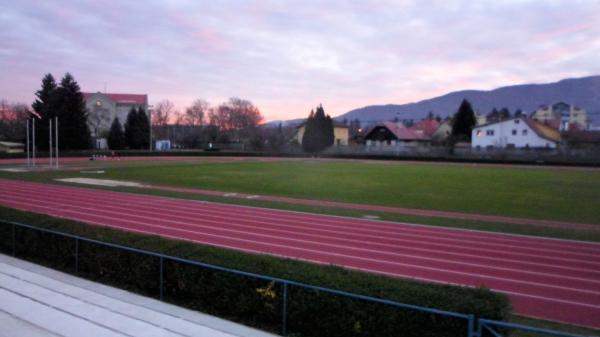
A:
38, 301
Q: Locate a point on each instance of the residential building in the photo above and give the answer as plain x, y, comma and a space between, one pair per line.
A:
442, 132
395, 135
426, 127
104, 107
562, 116
340, 134
514, 133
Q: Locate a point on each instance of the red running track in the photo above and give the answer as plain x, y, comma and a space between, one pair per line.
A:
551, 279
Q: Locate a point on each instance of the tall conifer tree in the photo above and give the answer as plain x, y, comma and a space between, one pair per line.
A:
463, 122
318, 132
43, 106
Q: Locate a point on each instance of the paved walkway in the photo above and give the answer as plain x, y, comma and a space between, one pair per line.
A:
37, 301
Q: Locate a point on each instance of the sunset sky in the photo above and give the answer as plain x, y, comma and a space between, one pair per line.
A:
289, 56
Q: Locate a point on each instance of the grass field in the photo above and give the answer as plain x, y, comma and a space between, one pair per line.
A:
542, 193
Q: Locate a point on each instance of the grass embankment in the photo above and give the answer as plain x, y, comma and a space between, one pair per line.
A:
246, 300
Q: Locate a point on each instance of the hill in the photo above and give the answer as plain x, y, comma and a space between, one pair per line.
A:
583, 92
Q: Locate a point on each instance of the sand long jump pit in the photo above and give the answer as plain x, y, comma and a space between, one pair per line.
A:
101, 182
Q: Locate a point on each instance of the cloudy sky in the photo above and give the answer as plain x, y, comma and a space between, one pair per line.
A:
288, 56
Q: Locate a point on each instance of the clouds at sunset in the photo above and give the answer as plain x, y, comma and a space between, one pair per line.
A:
288, 56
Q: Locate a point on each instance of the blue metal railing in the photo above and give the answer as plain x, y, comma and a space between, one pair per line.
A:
476, 327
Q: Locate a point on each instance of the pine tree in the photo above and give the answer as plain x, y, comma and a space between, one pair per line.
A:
116, 136
318, 132
143, 129
130, 129
43, 106
74, 133
463, 122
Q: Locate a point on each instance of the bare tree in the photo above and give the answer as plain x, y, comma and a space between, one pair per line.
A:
235, 114
162, 112
194, 115
12, 120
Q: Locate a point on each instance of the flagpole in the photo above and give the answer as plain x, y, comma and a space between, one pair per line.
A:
27, 132
50, 143
56, 139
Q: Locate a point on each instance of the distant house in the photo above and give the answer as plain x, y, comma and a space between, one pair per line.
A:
514, 133
442, 132
340, 134
104, 107
426, 127
562, 116
389, 134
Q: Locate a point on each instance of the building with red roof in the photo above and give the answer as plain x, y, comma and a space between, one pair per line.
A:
426, 127
103, 108
394, 135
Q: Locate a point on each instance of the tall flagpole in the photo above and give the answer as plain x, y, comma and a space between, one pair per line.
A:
33, 142
27, 132
50, 142
56, 139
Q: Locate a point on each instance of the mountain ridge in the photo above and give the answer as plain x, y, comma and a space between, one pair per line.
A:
583, 92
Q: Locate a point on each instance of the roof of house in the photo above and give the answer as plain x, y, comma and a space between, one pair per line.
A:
400, 131
426, 127
120, 98
543, 130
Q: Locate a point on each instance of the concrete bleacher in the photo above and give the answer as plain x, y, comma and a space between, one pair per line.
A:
37, 301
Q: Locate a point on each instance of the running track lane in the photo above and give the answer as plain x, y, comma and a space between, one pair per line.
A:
545, 278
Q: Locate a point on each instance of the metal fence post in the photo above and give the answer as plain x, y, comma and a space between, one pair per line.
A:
284, 309
14, 241
160, 283
471, 326
77, 255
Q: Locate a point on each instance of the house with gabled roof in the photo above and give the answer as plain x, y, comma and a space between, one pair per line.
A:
517, 132
396, 135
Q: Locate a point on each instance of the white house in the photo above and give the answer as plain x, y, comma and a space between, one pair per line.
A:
514, 133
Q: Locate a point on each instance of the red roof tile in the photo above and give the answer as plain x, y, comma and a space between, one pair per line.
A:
402, 132
426, 127
121, 98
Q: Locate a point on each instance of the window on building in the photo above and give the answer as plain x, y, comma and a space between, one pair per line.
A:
524, 132
479, 133
489, 132
514, 132
517, 121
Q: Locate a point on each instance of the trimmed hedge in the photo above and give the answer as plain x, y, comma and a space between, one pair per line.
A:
244, 299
